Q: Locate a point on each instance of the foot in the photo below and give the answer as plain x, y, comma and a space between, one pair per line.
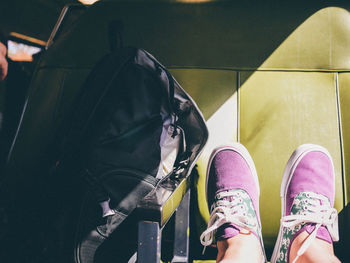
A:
307, 193
232, 193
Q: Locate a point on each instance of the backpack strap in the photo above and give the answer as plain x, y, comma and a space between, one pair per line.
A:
115, 35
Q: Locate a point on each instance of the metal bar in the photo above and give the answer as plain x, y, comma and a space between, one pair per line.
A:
181, 236
28, 39
149, 241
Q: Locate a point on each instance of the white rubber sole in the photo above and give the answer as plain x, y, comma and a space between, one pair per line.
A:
241, 150
292, 163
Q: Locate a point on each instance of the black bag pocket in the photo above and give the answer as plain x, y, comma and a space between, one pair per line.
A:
126, 187
138, 148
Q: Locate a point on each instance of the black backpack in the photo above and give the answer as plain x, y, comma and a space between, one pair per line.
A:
131, 115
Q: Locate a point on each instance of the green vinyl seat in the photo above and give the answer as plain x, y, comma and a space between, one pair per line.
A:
298, 95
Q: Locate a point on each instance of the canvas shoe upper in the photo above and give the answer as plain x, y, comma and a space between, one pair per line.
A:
307, 193
232, 193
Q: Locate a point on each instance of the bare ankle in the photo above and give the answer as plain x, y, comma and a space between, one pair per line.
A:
319, 250
240, 248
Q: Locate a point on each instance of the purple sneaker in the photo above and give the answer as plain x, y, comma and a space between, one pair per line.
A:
232, 192
307, 193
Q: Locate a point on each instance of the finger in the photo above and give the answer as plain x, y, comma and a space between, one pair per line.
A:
3, 49
3, 68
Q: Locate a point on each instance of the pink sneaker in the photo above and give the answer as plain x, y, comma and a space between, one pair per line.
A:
232, 192
307, 193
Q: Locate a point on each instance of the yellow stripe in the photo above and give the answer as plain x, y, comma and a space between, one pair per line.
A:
27, 38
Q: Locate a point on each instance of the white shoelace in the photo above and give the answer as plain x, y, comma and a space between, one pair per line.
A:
317, 213
230, 210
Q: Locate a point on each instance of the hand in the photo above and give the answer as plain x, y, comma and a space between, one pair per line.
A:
3, 62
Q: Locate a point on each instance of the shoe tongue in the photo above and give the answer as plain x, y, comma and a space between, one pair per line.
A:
322, 232
227, 231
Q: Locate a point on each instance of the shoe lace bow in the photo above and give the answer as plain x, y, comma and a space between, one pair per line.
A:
228, 208
317, 210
